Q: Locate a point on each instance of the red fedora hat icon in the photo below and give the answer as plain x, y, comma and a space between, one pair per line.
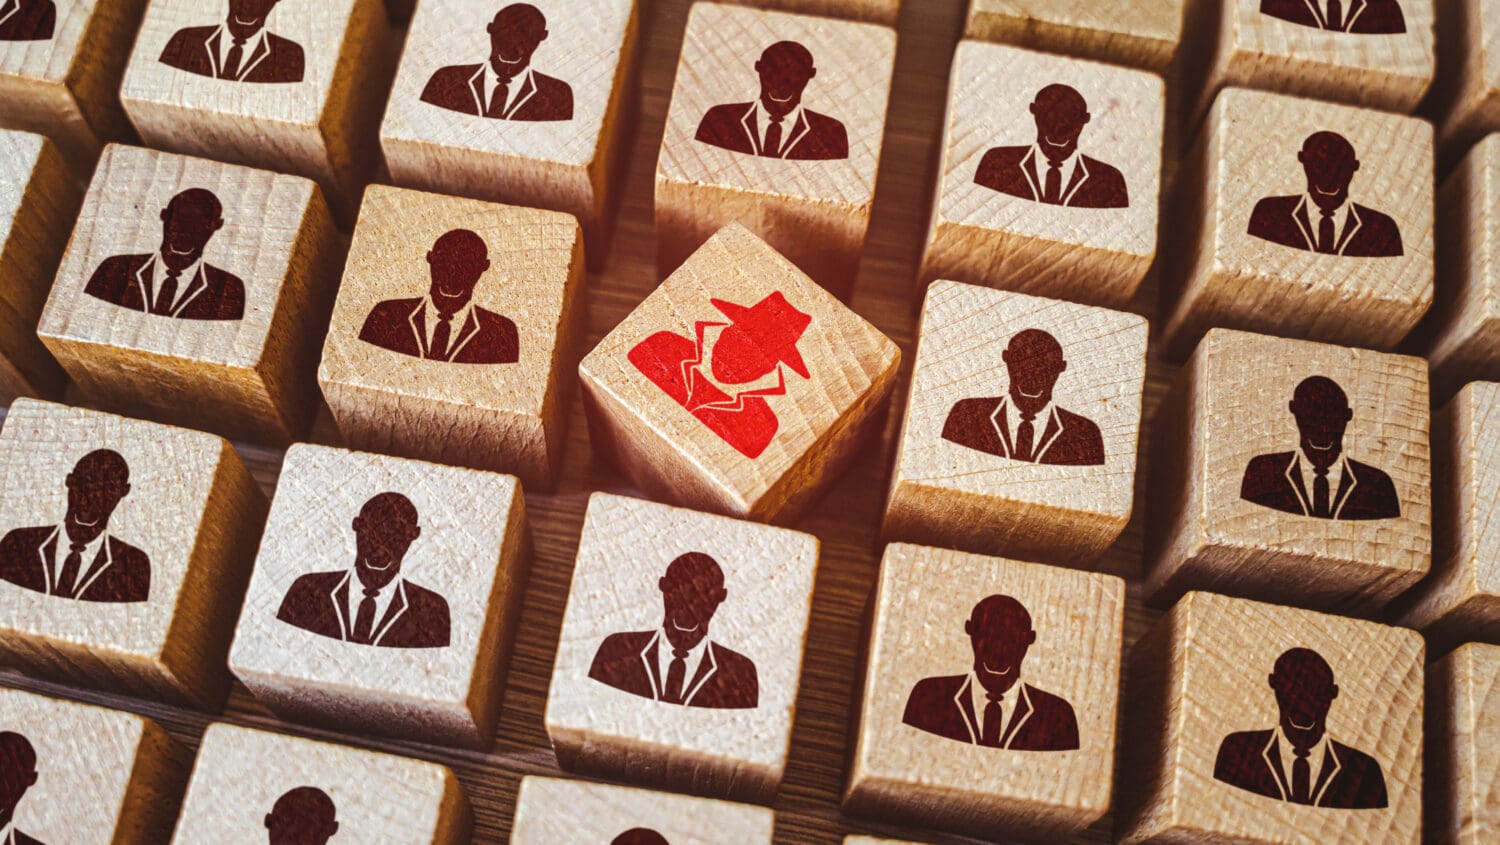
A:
775, 327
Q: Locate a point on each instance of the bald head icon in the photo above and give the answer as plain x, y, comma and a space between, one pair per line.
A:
505, 86
302, 816
17, 773
640, 836
1323, 218
27, 20
1052, 170
777, 124
1352, 17
240, 49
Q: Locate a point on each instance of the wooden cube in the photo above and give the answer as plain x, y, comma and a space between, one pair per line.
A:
974, 472
873, 11
80, 773
1259, 250
164, 522
303, 94
808, 187
493, 392
229, 344
739, 385
1463, 746
1233, 695
1465, 99
1138, 33
248, 784
385, 596
681, 649
956, 729
553, 810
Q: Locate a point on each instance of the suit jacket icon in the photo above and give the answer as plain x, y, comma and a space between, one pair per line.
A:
119, 573
127, 281
1066, 439
1348, 779
725, 679
27, 20
1275, 481
318, 602
744, 420
196, 50
460, 88
1016, 171
815, 137
1039, 721
400, 325
1287, 221
1361, 17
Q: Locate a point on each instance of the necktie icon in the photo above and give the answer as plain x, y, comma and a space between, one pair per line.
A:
441, 336
990, 733
1321, 507
231, 69
676, 676
498, 99
364, 622
1335, 15
1053, 190
772, 146
167, 295
1325, 233
67, 580
1301, 777
1025, 437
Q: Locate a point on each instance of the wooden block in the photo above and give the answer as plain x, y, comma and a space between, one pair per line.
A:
1138, 33
1254, 254
168, 519
128, 772
250, 783
929, 749
1463, 746
1228, 690
60, 68
811, 198
964, 478
1001, 219
559, 138
738, 386
495, 395
735, 595
304, 96
236, 351
872, 11
1236, 451
552, 810
1465, 98
446, 551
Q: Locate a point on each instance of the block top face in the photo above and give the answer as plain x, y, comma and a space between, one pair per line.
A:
1156, 20
1393, 36
560, 58
552, 810
39, 39
719, 130
1477, 412
227, 231
19, 154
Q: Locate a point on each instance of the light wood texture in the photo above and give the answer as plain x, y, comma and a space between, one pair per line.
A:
1222, 275
871, 840
249, 378
817, 424
1036, 784
815, 212
185, 529
956, 482
1138, 33
731, 738
489, 403
1465, 100
1463, 746
570, 165
436, 667
872, 11
551, 810
241, 773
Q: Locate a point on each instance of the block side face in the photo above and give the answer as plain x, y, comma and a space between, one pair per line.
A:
1479, 495
1157, 22
550, 810
38, 201
37, 51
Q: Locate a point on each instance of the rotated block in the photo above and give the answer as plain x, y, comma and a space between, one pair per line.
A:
1463, 746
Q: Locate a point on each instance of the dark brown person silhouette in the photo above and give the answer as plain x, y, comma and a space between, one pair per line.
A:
302, 816
1024, 425
17, 776
640, 836
1324, 219
27, 20
677, 663
1319, 479
175, 281
445, 325
1052, 170
978, 707
240, 49
79, 559
1360, 17
506, 87
347, 604
1297, 761
776, 124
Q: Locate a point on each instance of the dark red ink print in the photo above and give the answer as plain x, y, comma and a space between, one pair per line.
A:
302, 816
678, 663
372, 604
1025, 425
776, 124
1052, 170
1297, 761
1360, 17
724, 373
17, 776
27, 20
241, 49
506, 87
990, 705
175, 281
640, 836
446, 325
80, 559
1320, 479
1324, 219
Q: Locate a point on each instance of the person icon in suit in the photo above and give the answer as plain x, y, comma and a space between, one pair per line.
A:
1359, 17
777, 125
1324, 219
240, 49
446, 325
175, 281
1319, 479
678, 663
79, 559
640, 836
1052, 170
1297, 761
302, 816
371, 603
506, 87
27, 20
989, 705
17, 776
1025, 424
